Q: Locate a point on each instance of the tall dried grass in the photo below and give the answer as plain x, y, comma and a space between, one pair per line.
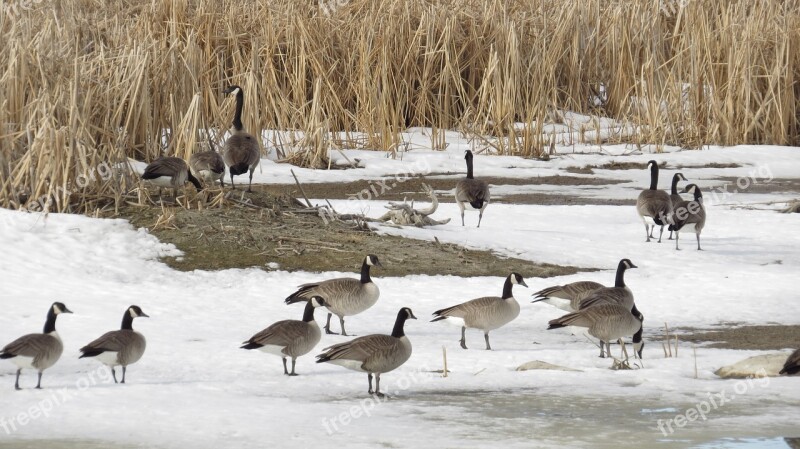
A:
84, 82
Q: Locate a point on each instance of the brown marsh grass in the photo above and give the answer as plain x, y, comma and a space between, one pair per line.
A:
88, 82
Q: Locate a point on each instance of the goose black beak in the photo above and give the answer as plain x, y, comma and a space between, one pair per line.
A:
522, 283
411, 315
144, 315
66, 310
379, 264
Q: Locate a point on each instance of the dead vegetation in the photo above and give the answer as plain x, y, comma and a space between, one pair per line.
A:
274, 231
91, 82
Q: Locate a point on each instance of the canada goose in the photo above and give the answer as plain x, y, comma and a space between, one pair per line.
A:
792, 365
39, 351
487, 313
654, 206
606, 322
471, 192
170, 172
289, 338
241, 151
121, 347
208, 166
568, 296
690, 215
618, 294
343, 296
674, 196
373, 354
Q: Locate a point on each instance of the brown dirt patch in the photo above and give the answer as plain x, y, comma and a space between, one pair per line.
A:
546, 199
580, 170
746, 337
755, 185
710, 165
412, 189
276, 230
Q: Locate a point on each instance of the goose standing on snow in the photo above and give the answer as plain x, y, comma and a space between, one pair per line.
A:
607, 322
121, 347
241, 151
290, 338
487, 313
690, 215
619, 294
568, 296
654, 206
471, 192
792, 365
170, 172
343, 296
208, 166
373, 354
674, 196
37, 351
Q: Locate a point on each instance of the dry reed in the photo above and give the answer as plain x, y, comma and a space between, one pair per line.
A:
85, 82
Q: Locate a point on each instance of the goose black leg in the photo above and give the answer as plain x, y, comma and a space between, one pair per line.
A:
16, 383
328, 326
698, 242
124, 368
378, 385
463, 337
341, 323
660, 233
39, 382
369, 379
285, 371
250, 187
294, 360
114, 375
602, 350
486, 337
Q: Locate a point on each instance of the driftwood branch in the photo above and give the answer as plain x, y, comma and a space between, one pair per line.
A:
404, 214
399, 214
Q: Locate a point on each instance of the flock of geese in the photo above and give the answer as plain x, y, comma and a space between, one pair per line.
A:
608, 313
41, 351
241, 153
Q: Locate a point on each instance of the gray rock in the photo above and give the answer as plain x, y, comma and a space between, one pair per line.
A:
768, 365
538, 364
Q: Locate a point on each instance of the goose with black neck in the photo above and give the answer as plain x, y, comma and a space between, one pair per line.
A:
343, 296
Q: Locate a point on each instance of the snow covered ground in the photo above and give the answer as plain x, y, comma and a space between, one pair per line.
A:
195, 388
